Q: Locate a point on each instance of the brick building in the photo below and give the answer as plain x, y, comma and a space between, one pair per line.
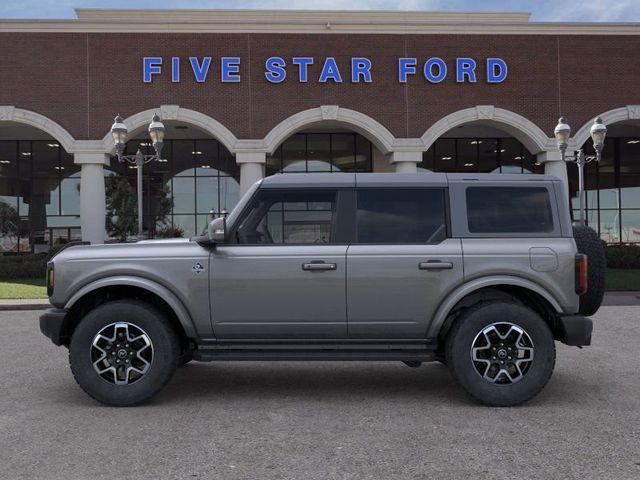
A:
251, 93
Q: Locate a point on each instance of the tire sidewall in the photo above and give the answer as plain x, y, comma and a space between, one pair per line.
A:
165, 352
461, 339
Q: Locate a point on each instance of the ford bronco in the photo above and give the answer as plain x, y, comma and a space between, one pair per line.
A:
481, 272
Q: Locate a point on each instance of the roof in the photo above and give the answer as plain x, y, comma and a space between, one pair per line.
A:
421, 179
310, 21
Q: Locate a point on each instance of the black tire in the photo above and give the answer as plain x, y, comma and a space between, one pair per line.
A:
589, 243
468, 328
165, 352
185, 357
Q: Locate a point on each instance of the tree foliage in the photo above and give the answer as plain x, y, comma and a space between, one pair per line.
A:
122, 207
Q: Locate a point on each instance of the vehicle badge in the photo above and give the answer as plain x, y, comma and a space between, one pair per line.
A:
197, 268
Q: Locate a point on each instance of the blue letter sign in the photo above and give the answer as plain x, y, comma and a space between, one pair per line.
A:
275, 69
151, 66
200, 71
496, 70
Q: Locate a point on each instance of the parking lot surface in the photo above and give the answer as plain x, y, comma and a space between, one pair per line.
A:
306, 420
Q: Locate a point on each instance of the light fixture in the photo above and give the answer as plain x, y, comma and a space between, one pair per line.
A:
53, 145
562, 133
205, 166
598, 134
58, 168
25, 154
517, 158
156, 132
632, 142
447, 158
469, 164
119, 133
4, 162
196, 152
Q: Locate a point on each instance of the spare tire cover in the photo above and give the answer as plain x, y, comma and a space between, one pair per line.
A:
589, 243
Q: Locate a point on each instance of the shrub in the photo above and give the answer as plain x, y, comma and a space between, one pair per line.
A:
623, 256
14, 267
170, 232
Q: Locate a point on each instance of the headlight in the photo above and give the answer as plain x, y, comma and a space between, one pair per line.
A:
50, 278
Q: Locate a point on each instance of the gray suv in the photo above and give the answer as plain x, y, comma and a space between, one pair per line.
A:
480, 272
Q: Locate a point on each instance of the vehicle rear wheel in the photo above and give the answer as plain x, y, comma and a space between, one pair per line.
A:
122, 353
589, 243
502, 353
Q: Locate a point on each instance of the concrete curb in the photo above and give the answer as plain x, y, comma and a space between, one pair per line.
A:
26, 304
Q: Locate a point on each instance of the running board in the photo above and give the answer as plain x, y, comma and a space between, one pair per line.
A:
420, 352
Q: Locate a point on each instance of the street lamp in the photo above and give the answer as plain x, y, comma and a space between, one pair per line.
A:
562, 133
119, 133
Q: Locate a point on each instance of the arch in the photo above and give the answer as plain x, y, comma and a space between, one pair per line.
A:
373, 130
629, 112
527, 132
9, 113
177, 113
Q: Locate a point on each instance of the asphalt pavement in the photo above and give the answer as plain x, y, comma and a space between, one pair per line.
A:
307, 420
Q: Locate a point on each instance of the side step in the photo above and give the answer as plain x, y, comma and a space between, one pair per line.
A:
309, 351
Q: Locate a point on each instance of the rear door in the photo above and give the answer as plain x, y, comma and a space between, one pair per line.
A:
402, 262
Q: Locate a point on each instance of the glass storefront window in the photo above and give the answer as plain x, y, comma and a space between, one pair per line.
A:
198, 177
612, 190
322, 152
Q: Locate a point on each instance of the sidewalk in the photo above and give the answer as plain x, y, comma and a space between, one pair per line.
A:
610, 299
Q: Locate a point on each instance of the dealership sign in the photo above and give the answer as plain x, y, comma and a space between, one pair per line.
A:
310, 69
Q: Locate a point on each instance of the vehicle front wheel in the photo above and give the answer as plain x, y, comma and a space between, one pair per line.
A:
502, 353
124, 352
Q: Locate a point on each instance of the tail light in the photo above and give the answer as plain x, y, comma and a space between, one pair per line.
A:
582, 282
50, 279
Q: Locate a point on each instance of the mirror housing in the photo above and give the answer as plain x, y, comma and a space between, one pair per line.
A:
217, 231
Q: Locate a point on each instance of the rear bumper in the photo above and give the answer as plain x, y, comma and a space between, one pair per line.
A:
52, 323
575, 330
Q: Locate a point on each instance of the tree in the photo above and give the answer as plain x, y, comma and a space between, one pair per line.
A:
9, 221
122, 207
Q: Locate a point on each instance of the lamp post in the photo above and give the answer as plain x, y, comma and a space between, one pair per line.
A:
562, 133
119, 133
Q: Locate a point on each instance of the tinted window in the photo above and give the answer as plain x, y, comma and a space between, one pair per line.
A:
401, 216
509, 210
278, 217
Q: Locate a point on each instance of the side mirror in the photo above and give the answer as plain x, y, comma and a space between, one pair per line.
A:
217, 231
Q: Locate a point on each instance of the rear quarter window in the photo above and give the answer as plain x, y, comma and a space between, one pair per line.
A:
509, 210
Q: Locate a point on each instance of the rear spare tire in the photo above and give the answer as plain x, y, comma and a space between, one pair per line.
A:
589, 243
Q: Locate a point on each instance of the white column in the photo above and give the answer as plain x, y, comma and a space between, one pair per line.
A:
406, 162
553, 165
251, 168
92, 195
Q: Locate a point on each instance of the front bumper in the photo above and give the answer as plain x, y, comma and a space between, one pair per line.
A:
52, 324
575, 330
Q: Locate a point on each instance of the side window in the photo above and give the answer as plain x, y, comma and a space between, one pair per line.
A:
401, 215
288, 217
509, 210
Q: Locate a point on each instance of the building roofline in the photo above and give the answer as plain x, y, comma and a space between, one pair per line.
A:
311, 21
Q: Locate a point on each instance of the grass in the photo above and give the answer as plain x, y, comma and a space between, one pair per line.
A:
27, 288
617, 280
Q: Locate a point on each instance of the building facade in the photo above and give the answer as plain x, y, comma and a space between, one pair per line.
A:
251, 93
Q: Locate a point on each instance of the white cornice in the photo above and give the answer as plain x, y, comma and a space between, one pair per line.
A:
297, 21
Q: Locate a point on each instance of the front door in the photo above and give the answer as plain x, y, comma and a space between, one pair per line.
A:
402, 263
283, 273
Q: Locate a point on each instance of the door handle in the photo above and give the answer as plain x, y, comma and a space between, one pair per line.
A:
435, 265
319, 266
